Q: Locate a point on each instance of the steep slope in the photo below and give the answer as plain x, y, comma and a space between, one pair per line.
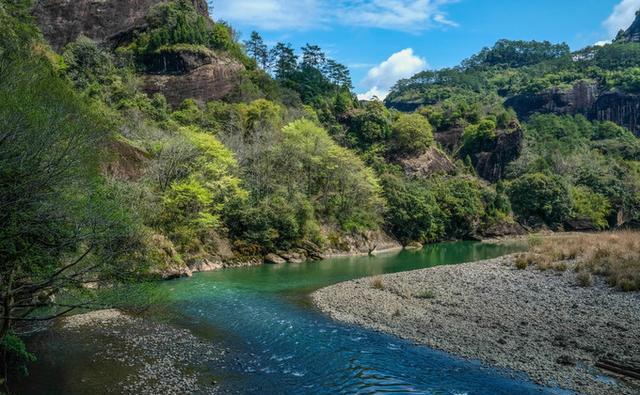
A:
62, 21
178, 73
584, 98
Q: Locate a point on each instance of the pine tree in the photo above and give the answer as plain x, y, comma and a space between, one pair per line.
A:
258, 50
285, 60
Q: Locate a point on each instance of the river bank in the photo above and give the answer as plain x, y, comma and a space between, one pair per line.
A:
540, 323
153, 358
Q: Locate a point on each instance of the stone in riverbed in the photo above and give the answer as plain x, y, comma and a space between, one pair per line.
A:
273, 259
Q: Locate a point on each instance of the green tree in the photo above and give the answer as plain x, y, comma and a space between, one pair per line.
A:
411, 134
414, 213
539, 196
258, 50
285, 61
587, 204
61, 224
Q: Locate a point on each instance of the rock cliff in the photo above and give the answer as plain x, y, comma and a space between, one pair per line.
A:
583, 98
62, 21
203, 76
632, 34
177, 73
491, 163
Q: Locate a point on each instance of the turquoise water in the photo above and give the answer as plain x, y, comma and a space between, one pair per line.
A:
277, 342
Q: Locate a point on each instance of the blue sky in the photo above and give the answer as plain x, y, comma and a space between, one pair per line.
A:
384, 40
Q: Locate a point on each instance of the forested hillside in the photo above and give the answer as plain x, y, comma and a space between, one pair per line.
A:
555, 128
167, 146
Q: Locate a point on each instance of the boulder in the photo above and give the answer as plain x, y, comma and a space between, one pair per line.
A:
503, 229
125, 162
580, 225
430, 163
273, 259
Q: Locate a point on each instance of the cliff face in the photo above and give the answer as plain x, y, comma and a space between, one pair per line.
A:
62, 21
180, 74
203, 78
632, 34
491, 163
583, 98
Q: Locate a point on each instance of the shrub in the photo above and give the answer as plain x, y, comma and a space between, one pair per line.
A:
427, 294
590, 205
521, 262
585, 279
377, 283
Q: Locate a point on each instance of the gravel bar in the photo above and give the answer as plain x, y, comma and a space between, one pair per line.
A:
540, 323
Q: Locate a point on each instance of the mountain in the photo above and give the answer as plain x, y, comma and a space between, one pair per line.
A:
598, 82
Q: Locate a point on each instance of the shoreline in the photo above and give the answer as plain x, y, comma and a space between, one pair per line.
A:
157, 357
539, 323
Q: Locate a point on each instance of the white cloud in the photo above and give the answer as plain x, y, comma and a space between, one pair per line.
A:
622, 17
405, 15
602, 43
381, 78
442, 18
373, 92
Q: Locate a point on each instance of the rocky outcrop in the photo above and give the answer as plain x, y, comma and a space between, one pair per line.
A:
359, 244
430, 163
491, 165
622, 109
579, 99
126, 162
632, 34
582, 98
62, 21
178, 61
200, 76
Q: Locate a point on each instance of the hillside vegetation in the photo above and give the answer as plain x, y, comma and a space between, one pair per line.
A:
101, 183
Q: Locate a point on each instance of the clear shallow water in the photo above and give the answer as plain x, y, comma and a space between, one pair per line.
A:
278, 343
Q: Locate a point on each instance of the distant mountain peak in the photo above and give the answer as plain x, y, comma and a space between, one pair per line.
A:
632, 34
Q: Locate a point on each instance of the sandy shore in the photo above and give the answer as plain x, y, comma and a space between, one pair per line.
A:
540, 323
159, 359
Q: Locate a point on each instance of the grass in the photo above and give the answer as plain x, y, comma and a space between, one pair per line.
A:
612, 255
428, 294
377, 283
585, 279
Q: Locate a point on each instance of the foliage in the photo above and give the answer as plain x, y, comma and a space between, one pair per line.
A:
342, 188
540, 197
479, 137
193, 205
62, 225
178, 22
414, 213
16, 356
370, 124
509, 53
411, 134
590, 205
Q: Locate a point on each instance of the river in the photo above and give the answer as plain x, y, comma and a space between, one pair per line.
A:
276, 342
